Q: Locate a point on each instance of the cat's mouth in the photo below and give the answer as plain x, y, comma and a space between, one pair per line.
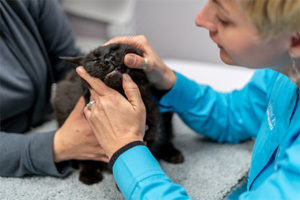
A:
120, 70
114, 78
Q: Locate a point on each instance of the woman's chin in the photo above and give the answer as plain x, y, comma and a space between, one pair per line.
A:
226, 58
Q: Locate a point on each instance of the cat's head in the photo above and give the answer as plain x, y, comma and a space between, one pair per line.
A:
106, 62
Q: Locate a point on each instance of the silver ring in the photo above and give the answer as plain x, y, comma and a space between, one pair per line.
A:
146, 63
89, 104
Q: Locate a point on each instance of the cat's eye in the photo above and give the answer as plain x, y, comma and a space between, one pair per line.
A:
94, 60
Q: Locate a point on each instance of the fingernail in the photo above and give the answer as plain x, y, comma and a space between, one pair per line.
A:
80, 69
130, 60
126, 77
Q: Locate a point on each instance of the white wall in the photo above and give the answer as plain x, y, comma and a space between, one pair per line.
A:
170, 28
168, 24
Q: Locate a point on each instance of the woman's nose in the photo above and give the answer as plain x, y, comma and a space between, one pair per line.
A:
206, 18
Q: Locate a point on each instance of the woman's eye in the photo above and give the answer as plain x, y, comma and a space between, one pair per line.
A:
223, 22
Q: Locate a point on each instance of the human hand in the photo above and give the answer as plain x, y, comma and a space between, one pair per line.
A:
158, 73
75, 139
115, 120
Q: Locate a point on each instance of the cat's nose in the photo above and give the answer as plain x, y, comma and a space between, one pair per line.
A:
109, 60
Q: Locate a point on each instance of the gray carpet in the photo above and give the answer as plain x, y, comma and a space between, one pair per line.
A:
210, 172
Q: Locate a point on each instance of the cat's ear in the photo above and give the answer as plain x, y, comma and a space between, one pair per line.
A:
73, 61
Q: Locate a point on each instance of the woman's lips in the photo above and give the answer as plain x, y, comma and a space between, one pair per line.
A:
212, 37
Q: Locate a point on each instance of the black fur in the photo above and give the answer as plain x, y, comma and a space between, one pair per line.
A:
106, 63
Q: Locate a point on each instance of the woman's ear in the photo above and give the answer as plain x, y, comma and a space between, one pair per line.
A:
295, 46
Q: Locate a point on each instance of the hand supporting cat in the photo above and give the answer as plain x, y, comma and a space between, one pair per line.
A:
75, 139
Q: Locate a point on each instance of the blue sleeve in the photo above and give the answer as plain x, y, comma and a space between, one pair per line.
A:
139, 176
285, 182
225, 117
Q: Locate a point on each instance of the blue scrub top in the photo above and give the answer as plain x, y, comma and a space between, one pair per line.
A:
267, 109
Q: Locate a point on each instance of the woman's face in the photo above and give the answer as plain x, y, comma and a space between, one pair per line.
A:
238, 40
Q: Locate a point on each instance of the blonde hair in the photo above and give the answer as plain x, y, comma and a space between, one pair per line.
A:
272, 18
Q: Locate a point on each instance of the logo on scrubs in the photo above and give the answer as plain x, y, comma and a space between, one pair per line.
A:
271, 117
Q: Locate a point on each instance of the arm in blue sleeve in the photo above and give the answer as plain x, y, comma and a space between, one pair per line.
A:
29, 154
225, 117
285, 182
139, 176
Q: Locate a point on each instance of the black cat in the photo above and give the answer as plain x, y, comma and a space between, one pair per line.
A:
106, 63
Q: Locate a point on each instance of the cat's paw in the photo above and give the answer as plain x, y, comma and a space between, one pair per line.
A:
168, 153
174, 156
90, 177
